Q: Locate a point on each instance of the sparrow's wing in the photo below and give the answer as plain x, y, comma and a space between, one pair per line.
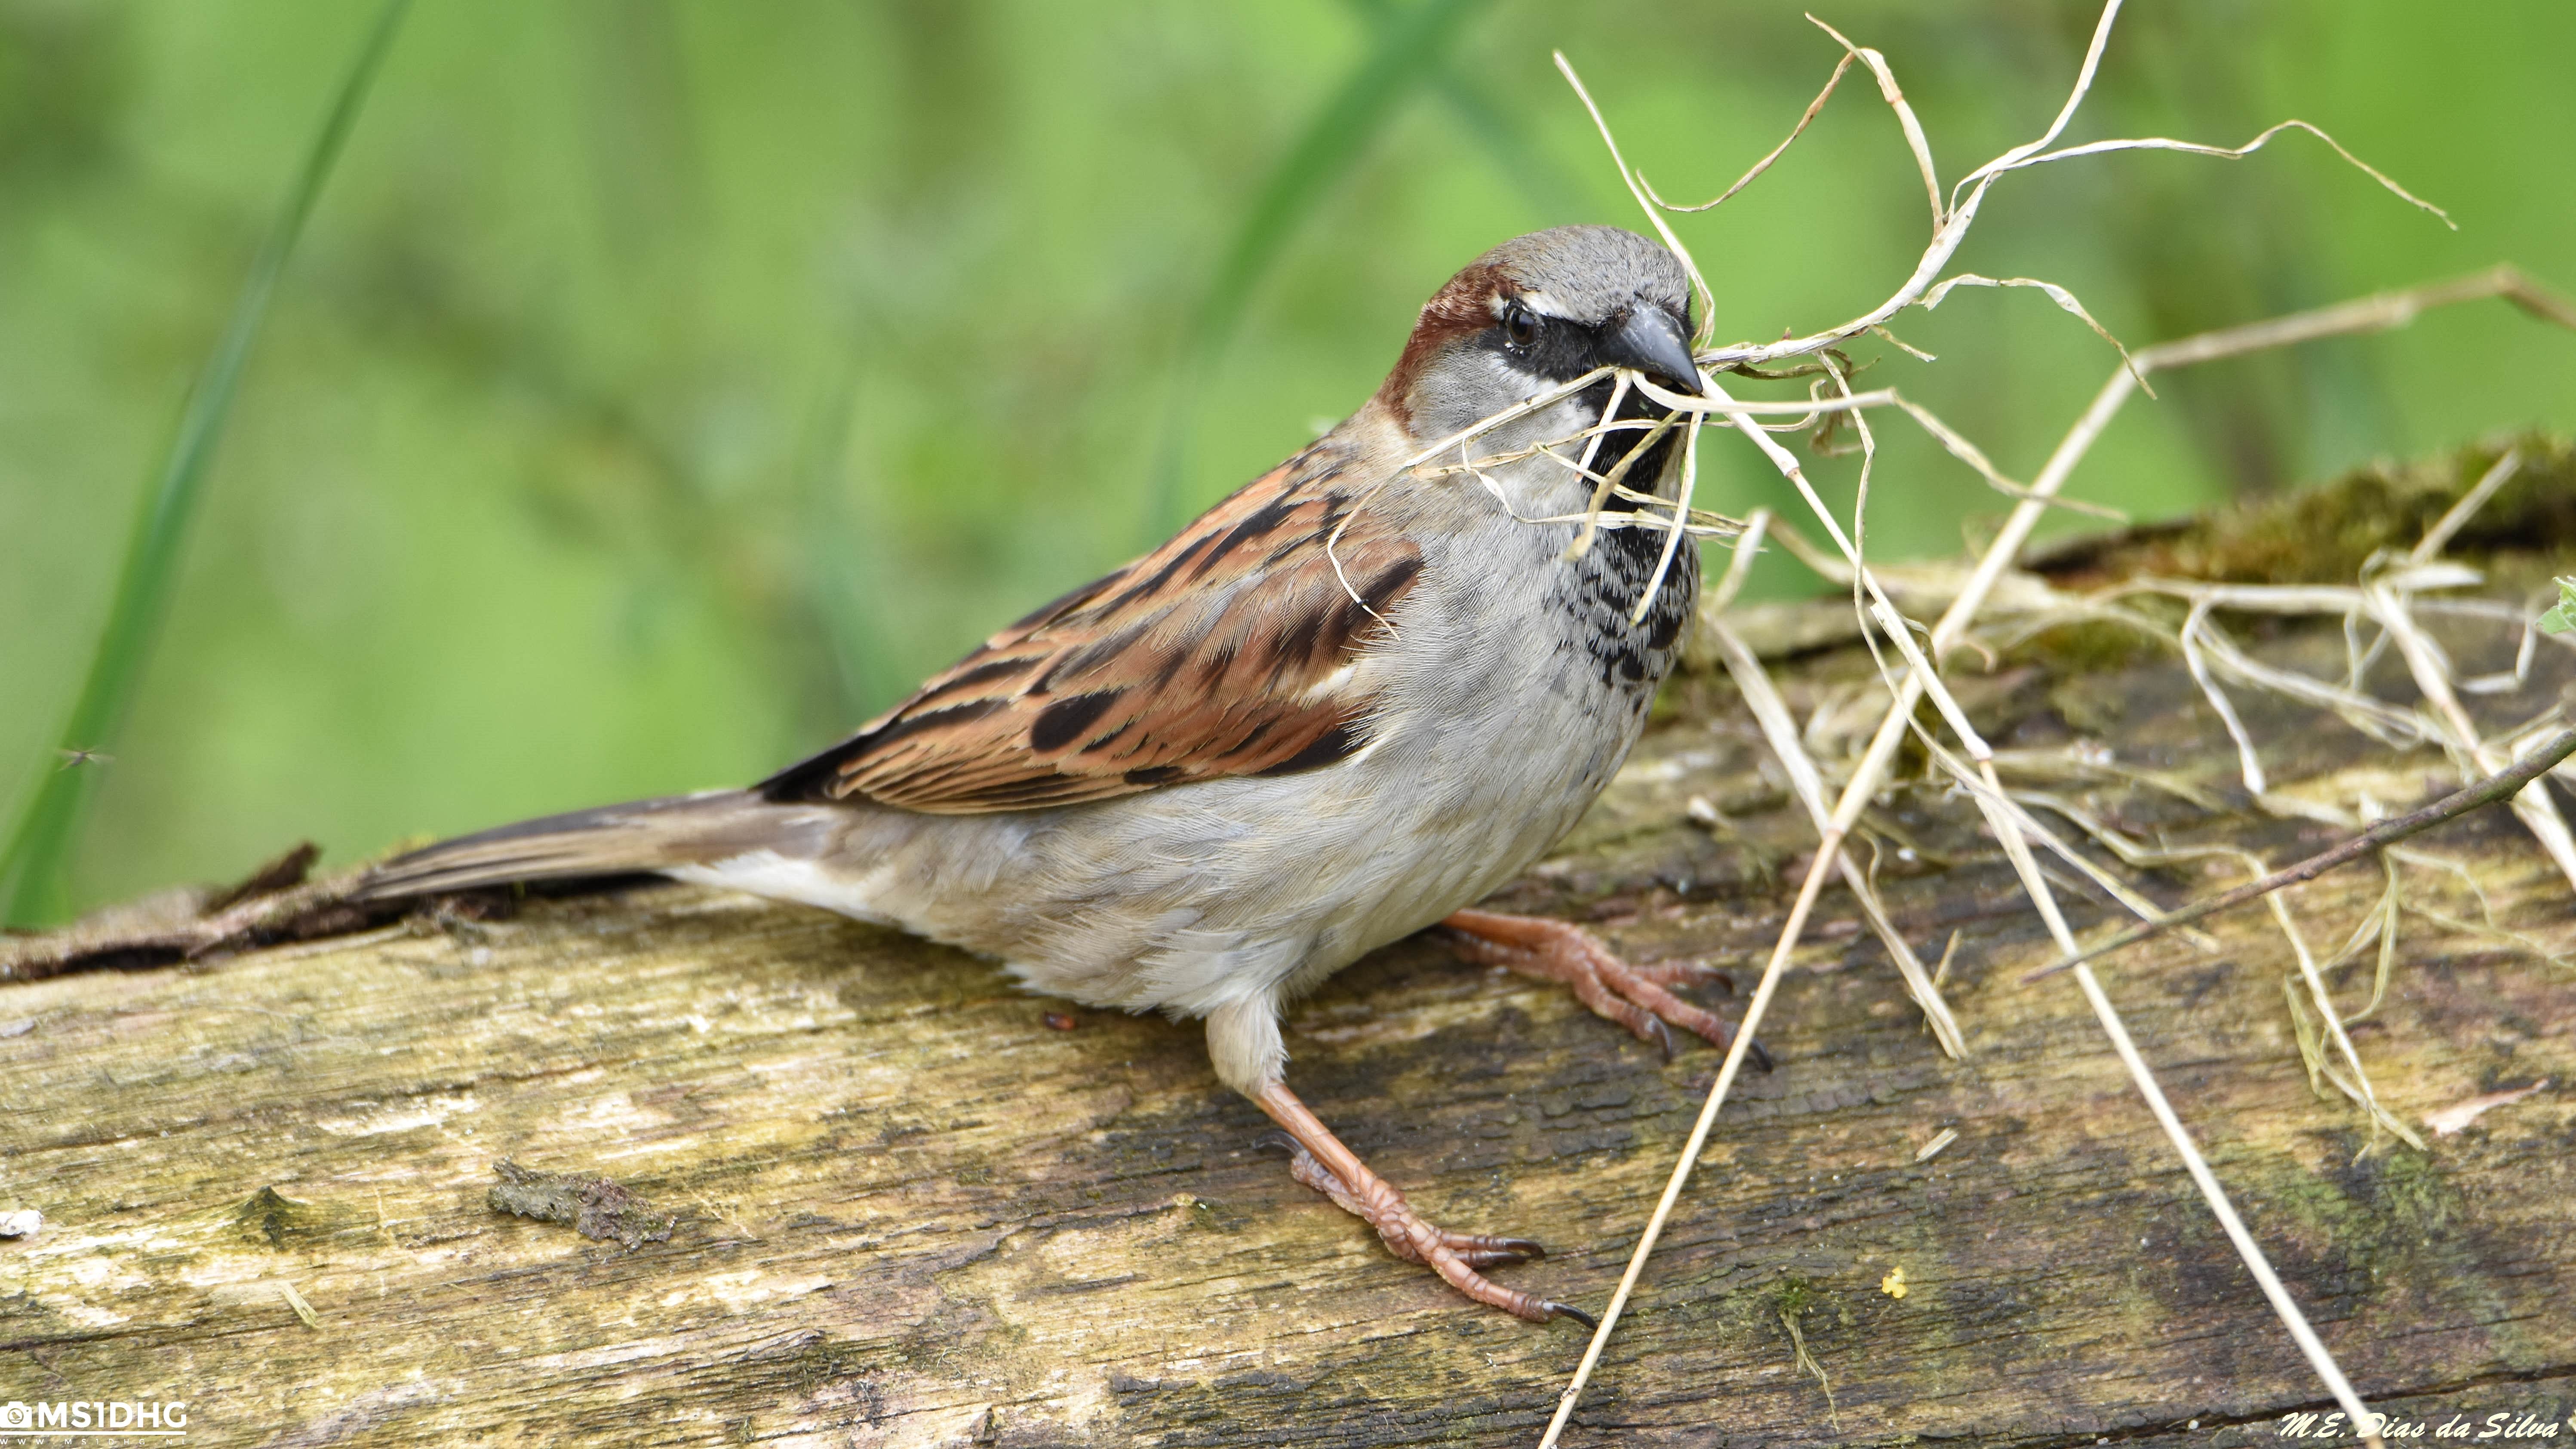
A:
1217, 654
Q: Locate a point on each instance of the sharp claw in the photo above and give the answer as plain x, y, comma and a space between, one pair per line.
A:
1557, 951
1494, 1252
1279, 1140
1567, 1310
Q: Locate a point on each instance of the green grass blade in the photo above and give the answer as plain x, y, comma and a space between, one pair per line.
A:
1407, 50
31, 888
1543, 183
834, 583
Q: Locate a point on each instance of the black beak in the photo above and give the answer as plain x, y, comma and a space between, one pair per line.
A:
1649, 340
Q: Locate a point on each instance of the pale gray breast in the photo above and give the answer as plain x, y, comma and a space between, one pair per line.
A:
1527, 659
1583, 606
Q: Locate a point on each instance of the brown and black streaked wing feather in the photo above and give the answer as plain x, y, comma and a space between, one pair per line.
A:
1212, 656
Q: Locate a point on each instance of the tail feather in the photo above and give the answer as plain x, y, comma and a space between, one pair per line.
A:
639, 836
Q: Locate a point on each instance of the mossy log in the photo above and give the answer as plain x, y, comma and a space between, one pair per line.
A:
852, 1189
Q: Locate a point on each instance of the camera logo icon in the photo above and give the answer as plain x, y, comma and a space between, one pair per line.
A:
15, 1415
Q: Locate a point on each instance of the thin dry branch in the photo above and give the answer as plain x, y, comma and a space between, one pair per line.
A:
1672, 538
1828, 851
1775, 153
1636, 188
2003, 819
2537, 811
2235, 153
1771, 713
2456, 517
2503, 784
2065, 300
1890, 92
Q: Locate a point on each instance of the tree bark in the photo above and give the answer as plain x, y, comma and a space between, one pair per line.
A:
907, 1204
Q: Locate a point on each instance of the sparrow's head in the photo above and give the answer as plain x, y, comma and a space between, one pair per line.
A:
1537, 311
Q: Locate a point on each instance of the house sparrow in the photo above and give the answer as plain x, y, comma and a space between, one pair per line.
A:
1342, 706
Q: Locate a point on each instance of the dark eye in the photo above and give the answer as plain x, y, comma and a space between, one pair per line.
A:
1519, 323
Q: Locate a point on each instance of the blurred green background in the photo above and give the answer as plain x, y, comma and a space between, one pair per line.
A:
661, 388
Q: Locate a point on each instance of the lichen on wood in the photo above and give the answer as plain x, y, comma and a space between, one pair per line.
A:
595, 1207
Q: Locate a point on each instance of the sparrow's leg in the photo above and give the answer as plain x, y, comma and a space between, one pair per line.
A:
1325, 1163
1633, 996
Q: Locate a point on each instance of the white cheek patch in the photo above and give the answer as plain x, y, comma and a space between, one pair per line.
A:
1522, 383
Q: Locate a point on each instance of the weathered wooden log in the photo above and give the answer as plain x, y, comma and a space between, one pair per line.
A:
906, 1204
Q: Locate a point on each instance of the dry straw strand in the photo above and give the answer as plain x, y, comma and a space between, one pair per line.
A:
1950, 229
2389, 601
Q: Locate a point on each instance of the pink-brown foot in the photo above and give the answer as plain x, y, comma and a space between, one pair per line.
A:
1406, 1234
1639, 998
1324, 1163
